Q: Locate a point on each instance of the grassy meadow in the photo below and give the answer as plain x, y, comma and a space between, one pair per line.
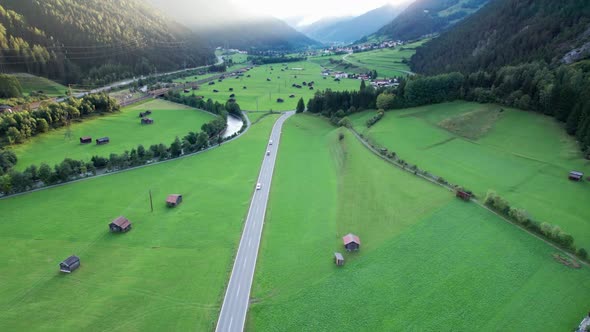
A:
167, 274
262, 95
124, 129
31, 83
427, 262
523, 156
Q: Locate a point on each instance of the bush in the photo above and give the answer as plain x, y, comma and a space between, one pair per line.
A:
582, 253
380, 114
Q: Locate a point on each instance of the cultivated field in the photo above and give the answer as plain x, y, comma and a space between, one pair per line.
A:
523, 156
167, 274
427, 262
124, 130
262, 95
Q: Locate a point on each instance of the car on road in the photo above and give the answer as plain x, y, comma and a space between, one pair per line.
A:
270, 142
258, 186
268, 153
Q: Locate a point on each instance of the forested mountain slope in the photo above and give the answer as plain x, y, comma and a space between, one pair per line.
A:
226, 25
424, 17
508, 32
93, 40
347, 30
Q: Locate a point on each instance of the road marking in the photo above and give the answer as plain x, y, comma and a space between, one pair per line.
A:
245, 260
238, 292
230, 322
249, 242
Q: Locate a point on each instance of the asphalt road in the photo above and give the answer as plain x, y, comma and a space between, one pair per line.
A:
237, 296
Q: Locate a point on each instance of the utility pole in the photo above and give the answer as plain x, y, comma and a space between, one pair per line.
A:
151, 201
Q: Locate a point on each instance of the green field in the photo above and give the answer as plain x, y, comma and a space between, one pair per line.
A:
167, 274
31, 83
262, 95
124, 130
523, 156
428, 261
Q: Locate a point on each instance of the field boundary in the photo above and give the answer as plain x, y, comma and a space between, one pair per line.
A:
248, 124
472, 200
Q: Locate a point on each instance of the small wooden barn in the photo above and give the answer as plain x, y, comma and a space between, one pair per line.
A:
70, 264
102, 140
338, 259
173, 200
144, 114
351, 242
292, 96
576, 176
147, 121
187, 90
464, 195
85, 140
120, 225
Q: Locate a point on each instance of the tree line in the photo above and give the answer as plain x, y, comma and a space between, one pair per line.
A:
550, 232
266, 60
17, 127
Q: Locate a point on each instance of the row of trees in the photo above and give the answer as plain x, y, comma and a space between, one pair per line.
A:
17, 127
265, 60
551, 232
337, 104
10, 87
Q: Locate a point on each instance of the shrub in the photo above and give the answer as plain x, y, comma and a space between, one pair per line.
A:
582, 253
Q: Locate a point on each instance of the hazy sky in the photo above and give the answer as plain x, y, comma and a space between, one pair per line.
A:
310, 10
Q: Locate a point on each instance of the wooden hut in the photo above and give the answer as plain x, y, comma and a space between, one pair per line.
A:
173, 200
120, 225
576, 176
351, 242
69, 264
338, 259
292, 96
147, 121
464, 195
187, 90
102, 140
85, 140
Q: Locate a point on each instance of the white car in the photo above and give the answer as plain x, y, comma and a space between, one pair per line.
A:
268, 153
258, 186
270, 142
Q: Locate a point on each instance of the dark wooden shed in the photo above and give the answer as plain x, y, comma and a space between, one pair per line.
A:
102, 140
338, 259
351, 242
576, 176
120, 225
70, 264
147, 121
464, 195
173, 200
85, 140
